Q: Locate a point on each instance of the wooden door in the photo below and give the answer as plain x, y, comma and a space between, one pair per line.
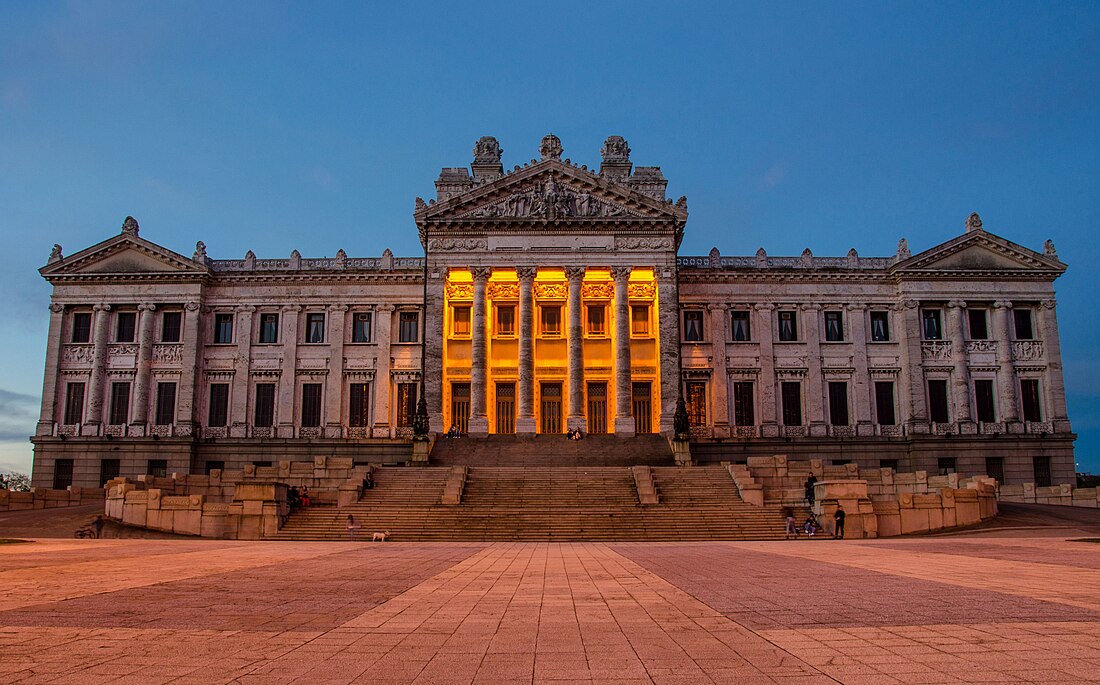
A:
642, 403
597, 407
506, 408
460, 406
550, 408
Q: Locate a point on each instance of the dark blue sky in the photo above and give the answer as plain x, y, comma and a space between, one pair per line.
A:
274, 127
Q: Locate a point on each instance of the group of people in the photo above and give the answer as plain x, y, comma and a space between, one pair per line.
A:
453, 432
811, 526
298, 498
575, 434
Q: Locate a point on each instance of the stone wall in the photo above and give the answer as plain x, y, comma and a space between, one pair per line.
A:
1063, 495
46, 498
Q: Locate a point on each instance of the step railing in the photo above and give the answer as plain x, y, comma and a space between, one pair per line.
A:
643, 481
455, 485
751, 491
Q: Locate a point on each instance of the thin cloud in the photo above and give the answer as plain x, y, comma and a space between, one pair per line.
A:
775, 175
18, 415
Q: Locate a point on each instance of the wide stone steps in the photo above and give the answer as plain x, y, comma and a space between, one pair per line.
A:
545, 504
552, 450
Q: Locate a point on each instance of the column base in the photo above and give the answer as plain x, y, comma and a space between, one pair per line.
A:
526, 426
624, 426
478, 427
580, 422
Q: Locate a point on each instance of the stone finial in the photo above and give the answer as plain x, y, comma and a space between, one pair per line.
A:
715, 258
487, 150
903, 249
130, 226
250, 255
200, 252
853, 258
550, 147
420, 204
56, 256
973, 222
1048, 249
807, 257
341, 259
387, 260
682, 203
615, 150
761, 258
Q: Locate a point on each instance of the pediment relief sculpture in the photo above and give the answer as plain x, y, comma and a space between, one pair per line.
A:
550, 199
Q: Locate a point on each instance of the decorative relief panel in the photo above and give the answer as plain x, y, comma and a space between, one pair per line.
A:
309, 432
631, 243
602, 290
973, 346
551, 290
549, 199
457, 244
505, 371
641, 291
215, 432
168, 354
1027, 350
78, 354
459, 291
935, 350
120, 349
503, 291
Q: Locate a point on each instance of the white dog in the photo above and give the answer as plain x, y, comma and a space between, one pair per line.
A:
380, 537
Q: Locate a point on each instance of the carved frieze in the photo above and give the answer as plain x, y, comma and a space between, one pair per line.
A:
935, 350
503, 291
1027, 350
121, 349
551, 290
78, 354
644, 290
601, 290
168, 354
549, 199
457, 244
632, 243
980, 346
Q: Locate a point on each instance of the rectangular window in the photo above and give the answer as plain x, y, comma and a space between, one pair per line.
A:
74, 404
311, 405
166, 404
597, 315
931, 326
983, 400
1022, 318
408, 327
639, 319
269, 328
506, 319
791, 393
937, 401
82, 327
158, 468
693, 325
834, 326
223, 329
696, 403
315, 328
740, 326
125, 326
743, 404
884, 403
979, 324
62, 473
946, 465
838, 403
218, 414
213, 466
359, 405
406, 404
119, 412
1029, 398
264, 414
888, 464
1041, 469
171, 323
551, 320
788, 327
460, 321
109, 469
880, 326
360, 329
995, 468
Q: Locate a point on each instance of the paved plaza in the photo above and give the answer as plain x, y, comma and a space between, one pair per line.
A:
1002, 606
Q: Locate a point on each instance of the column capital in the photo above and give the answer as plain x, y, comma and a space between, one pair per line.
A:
717, 306
621, 273
101, 308
956, 304
292, 307
1002, 304
574, 273
191, 306
910, 304
764, 306
481, 273
246, 308
810, 306
57, 307
338, 307
146, 307
1048, 304
526, 273
386, 307
855, 307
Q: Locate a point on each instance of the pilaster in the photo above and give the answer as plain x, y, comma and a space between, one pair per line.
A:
334, 387
719, 327
383, 389
525, 421
763, 329
238, 414
624, 420
576, 417
285, 404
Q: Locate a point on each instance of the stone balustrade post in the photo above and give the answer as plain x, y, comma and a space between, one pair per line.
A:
576, 415
624, 419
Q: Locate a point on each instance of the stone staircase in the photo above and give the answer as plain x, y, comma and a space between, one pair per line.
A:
546, 503
552, 450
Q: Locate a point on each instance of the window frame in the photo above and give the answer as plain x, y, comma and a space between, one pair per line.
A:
362, 324
262, 337
931, 314
130, 316
164, 410
84, 328
176, 316
789, 412
408, 334
118, 408
970, 316
499, 320
467, 319
833, 321
589, 330
742, 316
985, 404
1018, 314
544, 330
74, 403
222, 320
266, 419
698, 316
312, 407
934, 400
219, 405
790, 316
635, 321
883, 316
839, 412
881, 403
312, 328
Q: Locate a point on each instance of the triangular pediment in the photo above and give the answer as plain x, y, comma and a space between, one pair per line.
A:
980, 251
123, 255
550, 189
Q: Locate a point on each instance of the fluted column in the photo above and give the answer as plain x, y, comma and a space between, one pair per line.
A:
146, 318
192, 359
915, 408
624, 420
239, 418
51, 377
763, 331
334, 388
862, 389
1052, 352
960, 376
719, 332
99, 365
525, 421
479, 417
1006, 373
575, 417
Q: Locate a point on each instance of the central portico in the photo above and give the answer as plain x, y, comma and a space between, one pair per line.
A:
551, 296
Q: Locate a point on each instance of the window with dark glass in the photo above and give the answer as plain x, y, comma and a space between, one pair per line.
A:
158, 468
119, 411
269, 327
74, 404
223, 329
171, 324
311, 405
740, 326
639, 319
82, 327
696, 403
315, 328
884, 403
62, 473
834, 326
1022, 318
460, 322
506, 319
408, 327
109, 469
888, 464
743, 405
166, 404
213, 466
937, 401
264, 414
880, 326
693, 325
791, 395
995, 468
983, 401
125, 326
1041, 470
979, 324
788, 327
406, 404
551, 320
931, 326
360, 329
218, 414
1029, 398
597, 314
946, 465
838, 403
359, 405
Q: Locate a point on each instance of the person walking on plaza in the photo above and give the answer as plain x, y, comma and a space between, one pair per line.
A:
810, 483
351, 526
792, 529
839, 516
98, 523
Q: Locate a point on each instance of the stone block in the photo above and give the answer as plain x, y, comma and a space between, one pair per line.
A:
967, 513
914, 521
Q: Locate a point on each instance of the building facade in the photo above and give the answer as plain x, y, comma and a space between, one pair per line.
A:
550, 297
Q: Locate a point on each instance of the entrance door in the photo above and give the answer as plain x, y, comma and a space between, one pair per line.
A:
506, 408
460, 406
550, 412
597, 407
641, 396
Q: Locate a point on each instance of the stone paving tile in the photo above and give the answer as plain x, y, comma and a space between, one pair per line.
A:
1082, 555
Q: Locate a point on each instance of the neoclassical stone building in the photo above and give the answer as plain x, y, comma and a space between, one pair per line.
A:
552, 296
